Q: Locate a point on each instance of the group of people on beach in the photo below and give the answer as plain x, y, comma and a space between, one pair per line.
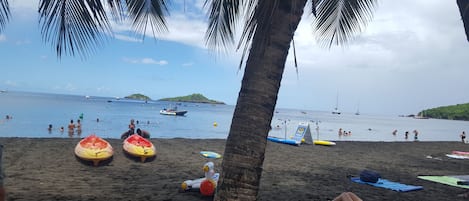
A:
132, 131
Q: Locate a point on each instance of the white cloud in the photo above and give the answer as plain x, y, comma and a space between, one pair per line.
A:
23, 42
145, 61
69, 87
188, 64
11, 83
127, 38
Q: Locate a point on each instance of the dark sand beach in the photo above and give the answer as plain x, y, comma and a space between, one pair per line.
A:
46, 169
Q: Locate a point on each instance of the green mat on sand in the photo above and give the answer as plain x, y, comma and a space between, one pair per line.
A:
448, 180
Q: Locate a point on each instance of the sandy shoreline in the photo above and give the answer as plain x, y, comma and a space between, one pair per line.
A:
46, 169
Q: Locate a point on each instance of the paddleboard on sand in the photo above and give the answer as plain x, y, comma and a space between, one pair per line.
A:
283, 141
457, 156
210, 154
323, 142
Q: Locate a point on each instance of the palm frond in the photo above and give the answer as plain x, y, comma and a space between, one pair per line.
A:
258, 12
148, 12
117, 9
337, 21
464, 10
4, 14
223, 16
73, 26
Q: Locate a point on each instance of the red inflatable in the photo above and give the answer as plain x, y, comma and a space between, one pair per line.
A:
207, 187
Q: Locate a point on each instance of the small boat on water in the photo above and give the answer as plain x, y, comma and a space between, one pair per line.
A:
173, 111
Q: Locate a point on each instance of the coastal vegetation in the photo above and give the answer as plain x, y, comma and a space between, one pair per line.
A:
193, 98
451, 112
138, 97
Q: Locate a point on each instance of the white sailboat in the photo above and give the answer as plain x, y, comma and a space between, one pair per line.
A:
358, 110
336, 109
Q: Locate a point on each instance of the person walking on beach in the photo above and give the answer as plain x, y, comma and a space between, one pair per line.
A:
50, 128
463, 137
407, 135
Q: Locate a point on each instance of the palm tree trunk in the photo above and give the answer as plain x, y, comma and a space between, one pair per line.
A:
464, 10
245, 147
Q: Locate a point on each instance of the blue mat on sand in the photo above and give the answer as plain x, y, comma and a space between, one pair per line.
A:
383, 183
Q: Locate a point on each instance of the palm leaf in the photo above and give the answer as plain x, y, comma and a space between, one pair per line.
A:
223, 16
79, 26
464, 10
73, 25
338, 20
148, 12
4, 14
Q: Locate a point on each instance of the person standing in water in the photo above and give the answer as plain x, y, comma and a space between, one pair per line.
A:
463, 137
78, 126
416, 137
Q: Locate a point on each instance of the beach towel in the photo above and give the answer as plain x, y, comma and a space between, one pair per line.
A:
384, 183
448, 180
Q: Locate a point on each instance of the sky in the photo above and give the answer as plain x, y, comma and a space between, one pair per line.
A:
411, 56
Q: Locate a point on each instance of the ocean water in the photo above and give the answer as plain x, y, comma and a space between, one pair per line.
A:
32, 113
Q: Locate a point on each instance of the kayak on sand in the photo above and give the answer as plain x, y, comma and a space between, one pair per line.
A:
93, 148
137, 146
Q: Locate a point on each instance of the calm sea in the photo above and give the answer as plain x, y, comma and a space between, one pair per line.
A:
33, 112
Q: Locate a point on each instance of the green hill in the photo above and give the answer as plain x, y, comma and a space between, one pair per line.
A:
193, 98
452, 112
138, 97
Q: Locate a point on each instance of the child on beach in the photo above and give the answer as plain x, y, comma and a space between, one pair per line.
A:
463, 137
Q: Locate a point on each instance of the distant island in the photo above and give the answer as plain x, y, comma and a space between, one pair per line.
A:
193, 98
451, 112
138, 97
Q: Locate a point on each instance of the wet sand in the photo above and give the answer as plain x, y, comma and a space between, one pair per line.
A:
46, 169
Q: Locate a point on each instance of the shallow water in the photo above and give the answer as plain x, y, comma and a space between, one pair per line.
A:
33, 112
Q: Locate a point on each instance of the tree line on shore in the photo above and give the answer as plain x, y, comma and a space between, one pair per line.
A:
451, 112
